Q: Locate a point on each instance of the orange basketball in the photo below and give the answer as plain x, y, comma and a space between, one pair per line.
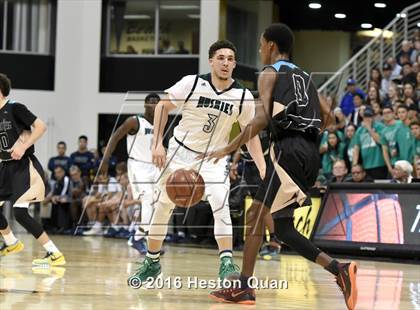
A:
185, 187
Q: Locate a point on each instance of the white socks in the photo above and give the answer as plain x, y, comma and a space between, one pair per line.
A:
10, 238
50, 247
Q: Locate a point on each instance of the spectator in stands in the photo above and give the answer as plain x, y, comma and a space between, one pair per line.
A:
358, 175
404, 137
367, 146
418, 170
376, 76
377, 111
413, 112
389, 139
60, 199
129, 205
120, 169
348, 144
82, 157
416, 51
418, 86
386, 80
331, 102
347, 101
408, 91
393, 96
402, 114
405, 52
340, 119
60, 160
356, 116
373, 96
395, 67
332, 151
403, 172
415, 132
408, 75
78, 190
101, 192
339, 172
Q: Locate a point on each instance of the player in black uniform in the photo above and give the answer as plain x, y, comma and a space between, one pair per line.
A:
290, 106
253, 181
21, 175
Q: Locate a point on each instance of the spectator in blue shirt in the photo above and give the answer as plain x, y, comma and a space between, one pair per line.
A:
82, 158
347, 105
60, 160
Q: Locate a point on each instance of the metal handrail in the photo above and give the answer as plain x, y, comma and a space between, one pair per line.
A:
336, 83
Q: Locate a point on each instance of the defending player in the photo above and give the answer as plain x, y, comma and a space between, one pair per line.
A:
290, 106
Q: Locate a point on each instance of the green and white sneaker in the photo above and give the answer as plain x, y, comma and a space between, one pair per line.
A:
147, 272
228, 269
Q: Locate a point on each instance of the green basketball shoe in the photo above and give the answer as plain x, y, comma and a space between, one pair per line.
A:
228, 269
146, 273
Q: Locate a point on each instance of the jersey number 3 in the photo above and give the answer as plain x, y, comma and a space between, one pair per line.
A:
211, 123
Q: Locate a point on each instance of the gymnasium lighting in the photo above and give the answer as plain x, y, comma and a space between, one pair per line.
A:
314, 5
380, 5
339, 15
366, 26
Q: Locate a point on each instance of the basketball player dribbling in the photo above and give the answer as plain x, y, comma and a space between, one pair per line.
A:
210, 104
141, 171
21, 175
290, 106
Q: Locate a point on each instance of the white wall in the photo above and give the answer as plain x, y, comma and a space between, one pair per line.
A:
209, 25
72, 108
320, 51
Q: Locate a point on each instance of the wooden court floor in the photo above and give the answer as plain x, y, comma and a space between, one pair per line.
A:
97, 268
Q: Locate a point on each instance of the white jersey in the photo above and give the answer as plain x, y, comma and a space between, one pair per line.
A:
207, 113
139, 145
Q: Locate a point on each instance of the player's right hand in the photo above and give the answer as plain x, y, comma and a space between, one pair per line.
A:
159, 156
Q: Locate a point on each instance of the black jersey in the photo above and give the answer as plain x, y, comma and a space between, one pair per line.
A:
296, 91
14, 119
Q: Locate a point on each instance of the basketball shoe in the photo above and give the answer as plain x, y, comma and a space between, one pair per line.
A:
245, 296
346, 280
227, 268
51, 259
13, 248
147, 271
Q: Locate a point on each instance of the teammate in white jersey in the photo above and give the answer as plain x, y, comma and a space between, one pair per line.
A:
141, 171
209, 104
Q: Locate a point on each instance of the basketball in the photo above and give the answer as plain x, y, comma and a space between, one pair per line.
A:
185, 187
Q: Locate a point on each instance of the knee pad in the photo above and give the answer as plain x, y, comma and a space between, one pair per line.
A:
22, 216
3, 221
219, 203
159, 225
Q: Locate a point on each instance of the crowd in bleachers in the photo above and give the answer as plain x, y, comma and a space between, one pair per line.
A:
376, 136
377, 130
